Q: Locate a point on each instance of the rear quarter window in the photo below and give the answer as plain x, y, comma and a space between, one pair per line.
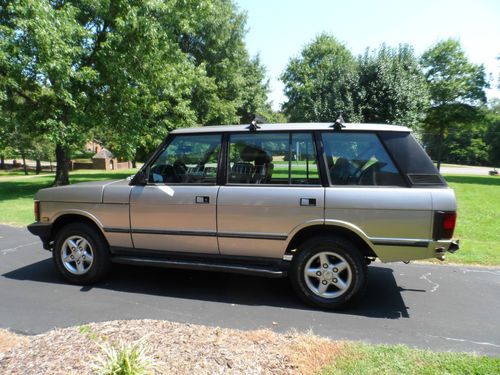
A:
412, 159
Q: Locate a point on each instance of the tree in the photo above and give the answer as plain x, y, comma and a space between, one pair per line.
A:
201, 69
492, 137
42, 73
393, 87
321, 83
456, 88
124, 71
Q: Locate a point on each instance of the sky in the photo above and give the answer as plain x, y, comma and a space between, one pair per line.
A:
279, 29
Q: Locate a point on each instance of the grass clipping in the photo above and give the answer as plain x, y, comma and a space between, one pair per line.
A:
159, 347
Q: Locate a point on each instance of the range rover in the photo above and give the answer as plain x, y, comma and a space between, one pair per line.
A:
314, 202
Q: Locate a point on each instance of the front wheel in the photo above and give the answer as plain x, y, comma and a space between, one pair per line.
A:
81, 254
329, 272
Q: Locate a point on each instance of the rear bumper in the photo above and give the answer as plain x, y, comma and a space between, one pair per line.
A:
43, 231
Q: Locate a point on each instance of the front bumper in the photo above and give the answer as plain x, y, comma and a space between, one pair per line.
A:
43, 231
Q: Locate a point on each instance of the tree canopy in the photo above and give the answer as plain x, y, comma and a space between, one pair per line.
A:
393, 87
384, 85
456, 88
322, 82
124, 71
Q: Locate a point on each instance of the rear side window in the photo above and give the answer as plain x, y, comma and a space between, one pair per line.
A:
412, 159
272, 158
359, 159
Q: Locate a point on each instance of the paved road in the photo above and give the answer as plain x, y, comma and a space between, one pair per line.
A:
464, 169
439, 307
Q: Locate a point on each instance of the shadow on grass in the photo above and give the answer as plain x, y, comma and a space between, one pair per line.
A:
383, 297
479, 180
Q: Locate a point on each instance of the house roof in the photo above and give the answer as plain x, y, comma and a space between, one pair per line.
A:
103, 154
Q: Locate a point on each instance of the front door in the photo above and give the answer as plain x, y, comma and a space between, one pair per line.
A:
176, 210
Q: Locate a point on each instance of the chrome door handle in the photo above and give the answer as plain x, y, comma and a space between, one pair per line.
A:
308, 201
202, 200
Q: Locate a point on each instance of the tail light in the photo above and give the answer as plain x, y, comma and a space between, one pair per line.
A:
444, 225
37, 210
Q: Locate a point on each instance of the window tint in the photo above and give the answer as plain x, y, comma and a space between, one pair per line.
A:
188, 159
359, 159
272, 158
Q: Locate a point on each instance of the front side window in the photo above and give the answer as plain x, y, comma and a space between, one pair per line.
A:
359, 159
188, 159
272, 158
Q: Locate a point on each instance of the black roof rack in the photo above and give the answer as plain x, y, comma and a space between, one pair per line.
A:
253, 125
339, 123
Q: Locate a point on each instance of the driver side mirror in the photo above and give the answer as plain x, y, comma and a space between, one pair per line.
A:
141, 178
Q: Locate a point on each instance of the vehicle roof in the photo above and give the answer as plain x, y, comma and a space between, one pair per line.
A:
294, 126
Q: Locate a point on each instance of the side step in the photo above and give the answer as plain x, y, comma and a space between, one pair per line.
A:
246, 269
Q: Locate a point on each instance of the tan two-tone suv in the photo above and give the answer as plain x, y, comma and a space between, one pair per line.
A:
316, 202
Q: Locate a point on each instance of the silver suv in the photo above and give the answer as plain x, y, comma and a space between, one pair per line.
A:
316, 202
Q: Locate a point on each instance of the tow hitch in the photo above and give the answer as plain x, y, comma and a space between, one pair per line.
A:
440, 251
454, 246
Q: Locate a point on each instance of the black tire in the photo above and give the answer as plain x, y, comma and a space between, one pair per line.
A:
99, 249
356, 273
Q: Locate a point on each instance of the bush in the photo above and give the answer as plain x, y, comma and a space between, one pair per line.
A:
124, 359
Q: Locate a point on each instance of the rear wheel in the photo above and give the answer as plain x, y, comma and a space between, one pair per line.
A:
81, 254
329, 272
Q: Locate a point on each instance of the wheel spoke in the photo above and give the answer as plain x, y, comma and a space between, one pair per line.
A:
322, 288
323, 258
72, 244
68, 259
84, 245
79, 266
88, 258
311, 272
340, 284
341, 266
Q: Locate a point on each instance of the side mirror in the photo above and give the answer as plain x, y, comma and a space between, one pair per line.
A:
141, 178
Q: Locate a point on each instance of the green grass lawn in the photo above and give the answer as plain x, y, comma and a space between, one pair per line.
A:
478, 225
361, 359
17, 191
478, 208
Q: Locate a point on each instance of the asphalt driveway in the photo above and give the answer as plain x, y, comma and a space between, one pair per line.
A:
430, 306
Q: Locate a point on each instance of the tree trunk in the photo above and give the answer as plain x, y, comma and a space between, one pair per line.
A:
62, 166
440, 147
38, 168
24, 163
2, 162
134, 164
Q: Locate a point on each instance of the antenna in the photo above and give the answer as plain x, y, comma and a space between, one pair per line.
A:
253, 125
339, 123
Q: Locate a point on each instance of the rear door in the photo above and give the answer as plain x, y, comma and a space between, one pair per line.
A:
176, 210
272, 187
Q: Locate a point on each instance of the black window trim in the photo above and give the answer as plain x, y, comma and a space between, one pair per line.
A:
223, 161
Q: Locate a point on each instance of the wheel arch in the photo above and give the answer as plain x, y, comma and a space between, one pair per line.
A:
332, 229
75, 217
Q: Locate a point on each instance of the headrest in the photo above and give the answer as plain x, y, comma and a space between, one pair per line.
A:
252, 153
